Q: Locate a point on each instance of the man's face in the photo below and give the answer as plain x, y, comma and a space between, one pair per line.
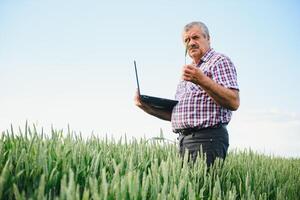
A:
198, 43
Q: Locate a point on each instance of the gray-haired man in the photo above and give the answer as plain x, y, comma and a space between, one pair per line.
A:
207, 94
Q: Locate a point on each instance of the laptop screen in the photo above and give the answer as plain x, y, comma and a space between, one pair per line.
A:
137, 78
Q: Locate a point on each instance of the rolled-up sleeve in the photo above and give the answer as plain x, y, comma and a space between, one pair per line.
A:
224, 73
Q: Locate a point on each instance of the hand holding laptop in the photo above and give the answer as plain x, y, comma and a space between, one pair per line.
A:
139, 103
162, 114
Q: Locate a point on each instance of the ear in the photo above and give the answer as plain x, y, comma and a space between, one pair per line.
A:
208, 39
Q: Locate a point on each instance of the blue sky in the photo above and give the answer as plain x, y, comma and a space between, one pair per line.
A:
71, 62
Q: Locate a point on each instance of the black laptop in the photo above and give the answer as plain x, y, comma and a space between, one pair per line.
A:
156, 102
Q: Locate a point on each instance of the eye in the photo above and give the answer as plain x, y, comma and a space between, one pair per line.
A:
187, 40
195, 37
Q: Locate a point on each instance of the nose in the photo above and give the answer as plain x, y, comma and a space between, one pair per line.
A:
191, 42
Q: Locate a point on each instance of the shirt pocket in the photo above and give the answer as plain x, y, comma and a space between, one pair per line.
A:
206, 70
191, 87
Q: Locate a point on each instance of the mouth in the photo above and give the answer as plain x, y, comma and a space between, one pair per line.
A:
193, 49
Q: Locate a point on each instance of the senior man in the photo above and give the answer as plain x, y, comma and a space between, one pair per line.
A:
207, 95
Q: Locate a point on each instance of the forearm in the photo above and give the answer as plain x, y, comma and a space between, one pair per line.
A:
164, 115
161, 114
225, 97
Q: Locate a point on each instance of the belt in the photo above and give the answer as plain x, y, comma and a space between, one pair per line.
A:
188, 131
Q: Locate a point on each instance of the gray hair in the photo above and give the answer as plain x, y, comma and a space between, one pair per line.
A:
199, 24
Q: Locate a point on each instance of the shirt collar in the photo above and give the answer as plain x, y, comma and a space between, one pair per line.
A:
207, 55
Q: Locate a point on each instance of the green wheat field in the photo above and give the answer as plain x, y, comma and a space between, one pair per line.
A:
57, 165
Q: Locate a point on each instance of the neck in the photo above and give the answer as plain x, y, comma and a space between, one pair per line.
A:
196, 60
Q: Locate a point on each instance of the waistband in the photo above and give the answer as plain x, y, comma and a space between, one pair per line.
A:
188, 131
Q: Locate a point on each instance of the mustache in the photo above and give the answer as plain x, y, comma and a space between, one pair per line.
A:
193, 46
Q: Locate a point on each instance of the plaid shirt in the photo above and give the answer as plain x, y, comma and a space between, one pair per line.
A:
195, 108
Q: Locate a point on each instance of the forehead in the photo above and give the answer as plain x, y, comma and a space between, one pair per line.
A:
194, 30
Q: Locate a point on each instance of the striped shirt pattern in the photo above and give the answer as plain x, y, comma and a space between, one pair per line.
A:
195, 108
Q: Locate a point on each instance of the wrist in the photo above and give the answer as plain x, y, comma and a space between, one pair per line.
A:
203, 80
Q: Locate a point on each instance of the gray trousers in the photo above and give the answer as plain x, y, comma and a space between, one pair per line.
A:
213, 142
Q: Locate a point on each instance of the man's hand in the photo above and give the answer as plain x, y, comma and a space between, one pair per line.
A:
192, 73
228, 98
150, 110
142, 105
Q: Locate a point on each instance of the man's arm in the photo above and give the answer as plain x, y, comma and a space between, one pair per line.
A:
225, 97
164, 115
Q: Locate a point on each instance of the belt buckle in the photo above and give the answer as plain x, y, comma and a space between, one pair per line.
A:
186, 132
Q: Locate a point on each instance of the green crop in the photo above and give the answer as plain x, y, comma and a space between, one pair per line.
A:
35, 165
